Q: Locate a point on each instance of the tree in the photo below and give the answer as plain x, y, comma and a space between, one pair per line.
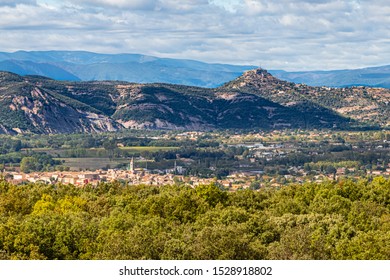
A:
28, 164
110, 146
211, 194
255, 185
330, 169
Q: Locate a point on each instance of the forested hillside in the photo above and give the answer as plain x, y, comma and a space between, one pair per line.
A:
319, 104
256, 100
41, 105
331, 220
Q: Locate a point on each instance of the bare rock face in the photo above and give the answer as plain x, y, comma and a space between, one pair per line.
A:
32, 108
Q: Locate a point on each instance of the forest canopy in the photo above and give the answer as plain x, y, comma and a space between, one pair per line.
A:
329, 220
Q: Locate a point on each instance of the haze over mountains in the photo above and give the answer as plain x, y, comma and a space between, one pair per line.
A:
88, 66
372, 76
255, 100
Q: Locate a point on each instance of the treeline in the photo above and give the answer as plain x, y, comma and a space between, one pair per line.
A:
106, 140
30, 162
331, 220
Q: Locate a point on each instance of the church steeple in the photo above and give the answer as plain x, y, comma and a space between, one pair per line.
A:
131, 165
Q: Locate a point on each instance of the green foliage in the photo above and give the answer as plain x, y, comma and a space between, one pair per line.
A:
255, 185
37, 162
331, 220
212, 194
8, 145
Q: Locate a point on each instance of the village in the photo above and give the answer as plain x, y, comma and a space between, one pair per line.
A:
233, 161
139, 176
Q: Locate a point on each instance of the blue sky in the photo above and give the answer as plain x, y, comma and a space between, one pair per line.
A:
278, 34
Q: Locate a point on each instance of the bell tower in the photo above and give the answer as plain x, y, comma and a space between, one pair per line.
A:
131, 165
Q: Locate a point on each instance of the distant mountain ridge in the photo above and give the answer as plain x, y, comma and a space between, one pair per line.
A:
138, 68
255, 100
88, 66
372, 77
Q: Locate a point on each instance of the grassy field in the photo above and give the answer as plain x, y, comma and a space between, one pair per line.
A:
96, 158
147, 148
92, 164
137, 149
98, 152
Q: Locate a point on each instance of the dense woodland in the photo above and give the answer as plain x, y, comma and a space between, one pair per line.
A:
331, 220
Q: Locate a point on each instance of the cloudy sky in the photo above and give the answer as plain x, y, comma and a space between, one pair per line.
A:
277, 34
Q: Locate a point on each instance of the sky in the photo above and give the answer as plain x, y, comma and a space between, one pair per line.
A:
280, 34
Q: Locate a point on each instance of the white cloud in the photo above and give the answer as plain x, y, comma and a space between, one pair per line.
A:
121, 4
292, 35
17, 2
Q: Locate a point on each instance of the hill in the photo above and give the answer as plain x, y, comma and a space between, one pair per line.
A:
28, 106
255, 100
364, 105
